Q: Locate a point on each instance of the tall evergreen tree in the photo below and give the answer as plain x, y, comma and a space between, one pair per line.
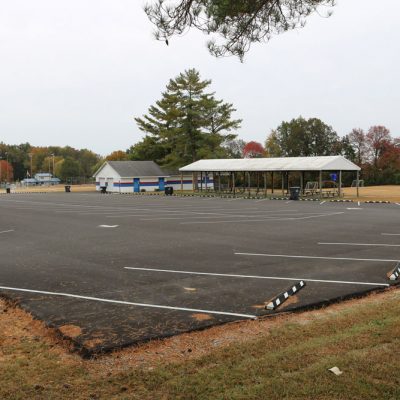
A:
187, 123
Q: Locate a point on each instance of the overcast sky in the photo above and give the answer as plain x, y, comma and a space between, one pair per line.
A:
76, 72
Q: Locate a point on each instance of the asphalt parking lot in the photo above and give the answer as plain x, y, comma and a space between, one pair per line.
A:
114, 270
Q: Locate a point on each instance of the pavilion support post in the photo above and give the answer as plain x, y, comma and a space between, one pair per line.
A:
340, 183
248, 182
205, 177
181, 181
201, 181
272, 183
258, 182
302, 182
287, 180
283, 184
233, 183
265, 184
358, 183
320, 183
219, 182
193, 185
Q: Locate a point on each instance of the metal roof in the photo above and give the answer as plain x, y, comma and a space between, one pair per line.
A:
322, 163
131, 169
44, 174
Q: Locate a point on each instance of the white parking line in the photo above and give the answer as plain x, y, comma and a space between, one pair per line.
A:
315, 257
354, 208
391, 234
262, 219
360, 244
322, 202
9, 230
75, 296
260, 215
256, 276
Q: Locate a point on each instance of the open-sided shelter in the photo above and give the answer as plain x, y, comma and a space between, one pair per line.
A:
261, 167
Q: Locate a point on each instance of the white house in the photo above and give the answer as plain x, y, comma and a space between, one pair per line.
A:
45, 178
137, 176
130, 176
41, 178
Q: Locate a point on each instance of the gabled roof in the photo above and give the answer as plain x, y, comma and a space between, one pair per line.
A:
131, 169
322, 163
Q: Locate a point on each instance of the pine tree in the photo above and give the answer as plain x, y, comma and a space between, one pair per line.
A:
187, 122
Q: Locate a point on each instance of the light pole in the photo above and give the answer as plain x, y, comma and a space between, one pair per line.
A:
31, 156
53, 164
0, 171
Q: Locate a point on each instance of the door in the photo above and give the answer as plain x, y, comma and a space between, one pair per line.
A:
110, 184
136, 185
161, 184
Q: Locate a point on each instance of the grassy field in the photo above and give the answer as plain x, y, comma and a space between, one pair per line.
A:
380, 193
281, 358
385, 193
55, 188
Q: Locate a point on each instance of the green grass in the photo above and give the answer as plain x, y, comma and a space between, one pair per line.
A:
289, 361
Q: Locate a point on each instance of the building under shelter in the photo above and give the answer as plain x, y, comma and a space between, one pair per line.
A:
234, 175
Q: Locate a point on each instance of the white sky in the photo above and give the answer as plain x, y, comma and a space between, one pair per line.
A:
76, 72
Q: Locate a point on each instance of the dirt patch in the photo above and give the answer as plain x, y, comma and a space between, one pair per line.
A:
201, 317
18, 327
71, 331
258, 306
291, 300
92, 343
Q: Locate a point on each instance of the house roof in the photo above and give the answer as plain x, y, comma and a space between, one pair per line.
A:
130, 169
322, 163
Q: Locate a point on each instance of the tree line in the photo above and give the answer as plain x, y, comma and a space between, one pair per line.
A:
18, 162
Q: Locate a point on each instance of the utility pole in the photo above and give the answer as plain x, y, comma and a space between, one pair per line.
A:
53, 165
31, 155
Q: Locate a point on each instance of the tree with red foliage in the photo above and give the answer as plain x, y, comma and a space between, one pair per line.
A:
6, 171
253, 150
378, 138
